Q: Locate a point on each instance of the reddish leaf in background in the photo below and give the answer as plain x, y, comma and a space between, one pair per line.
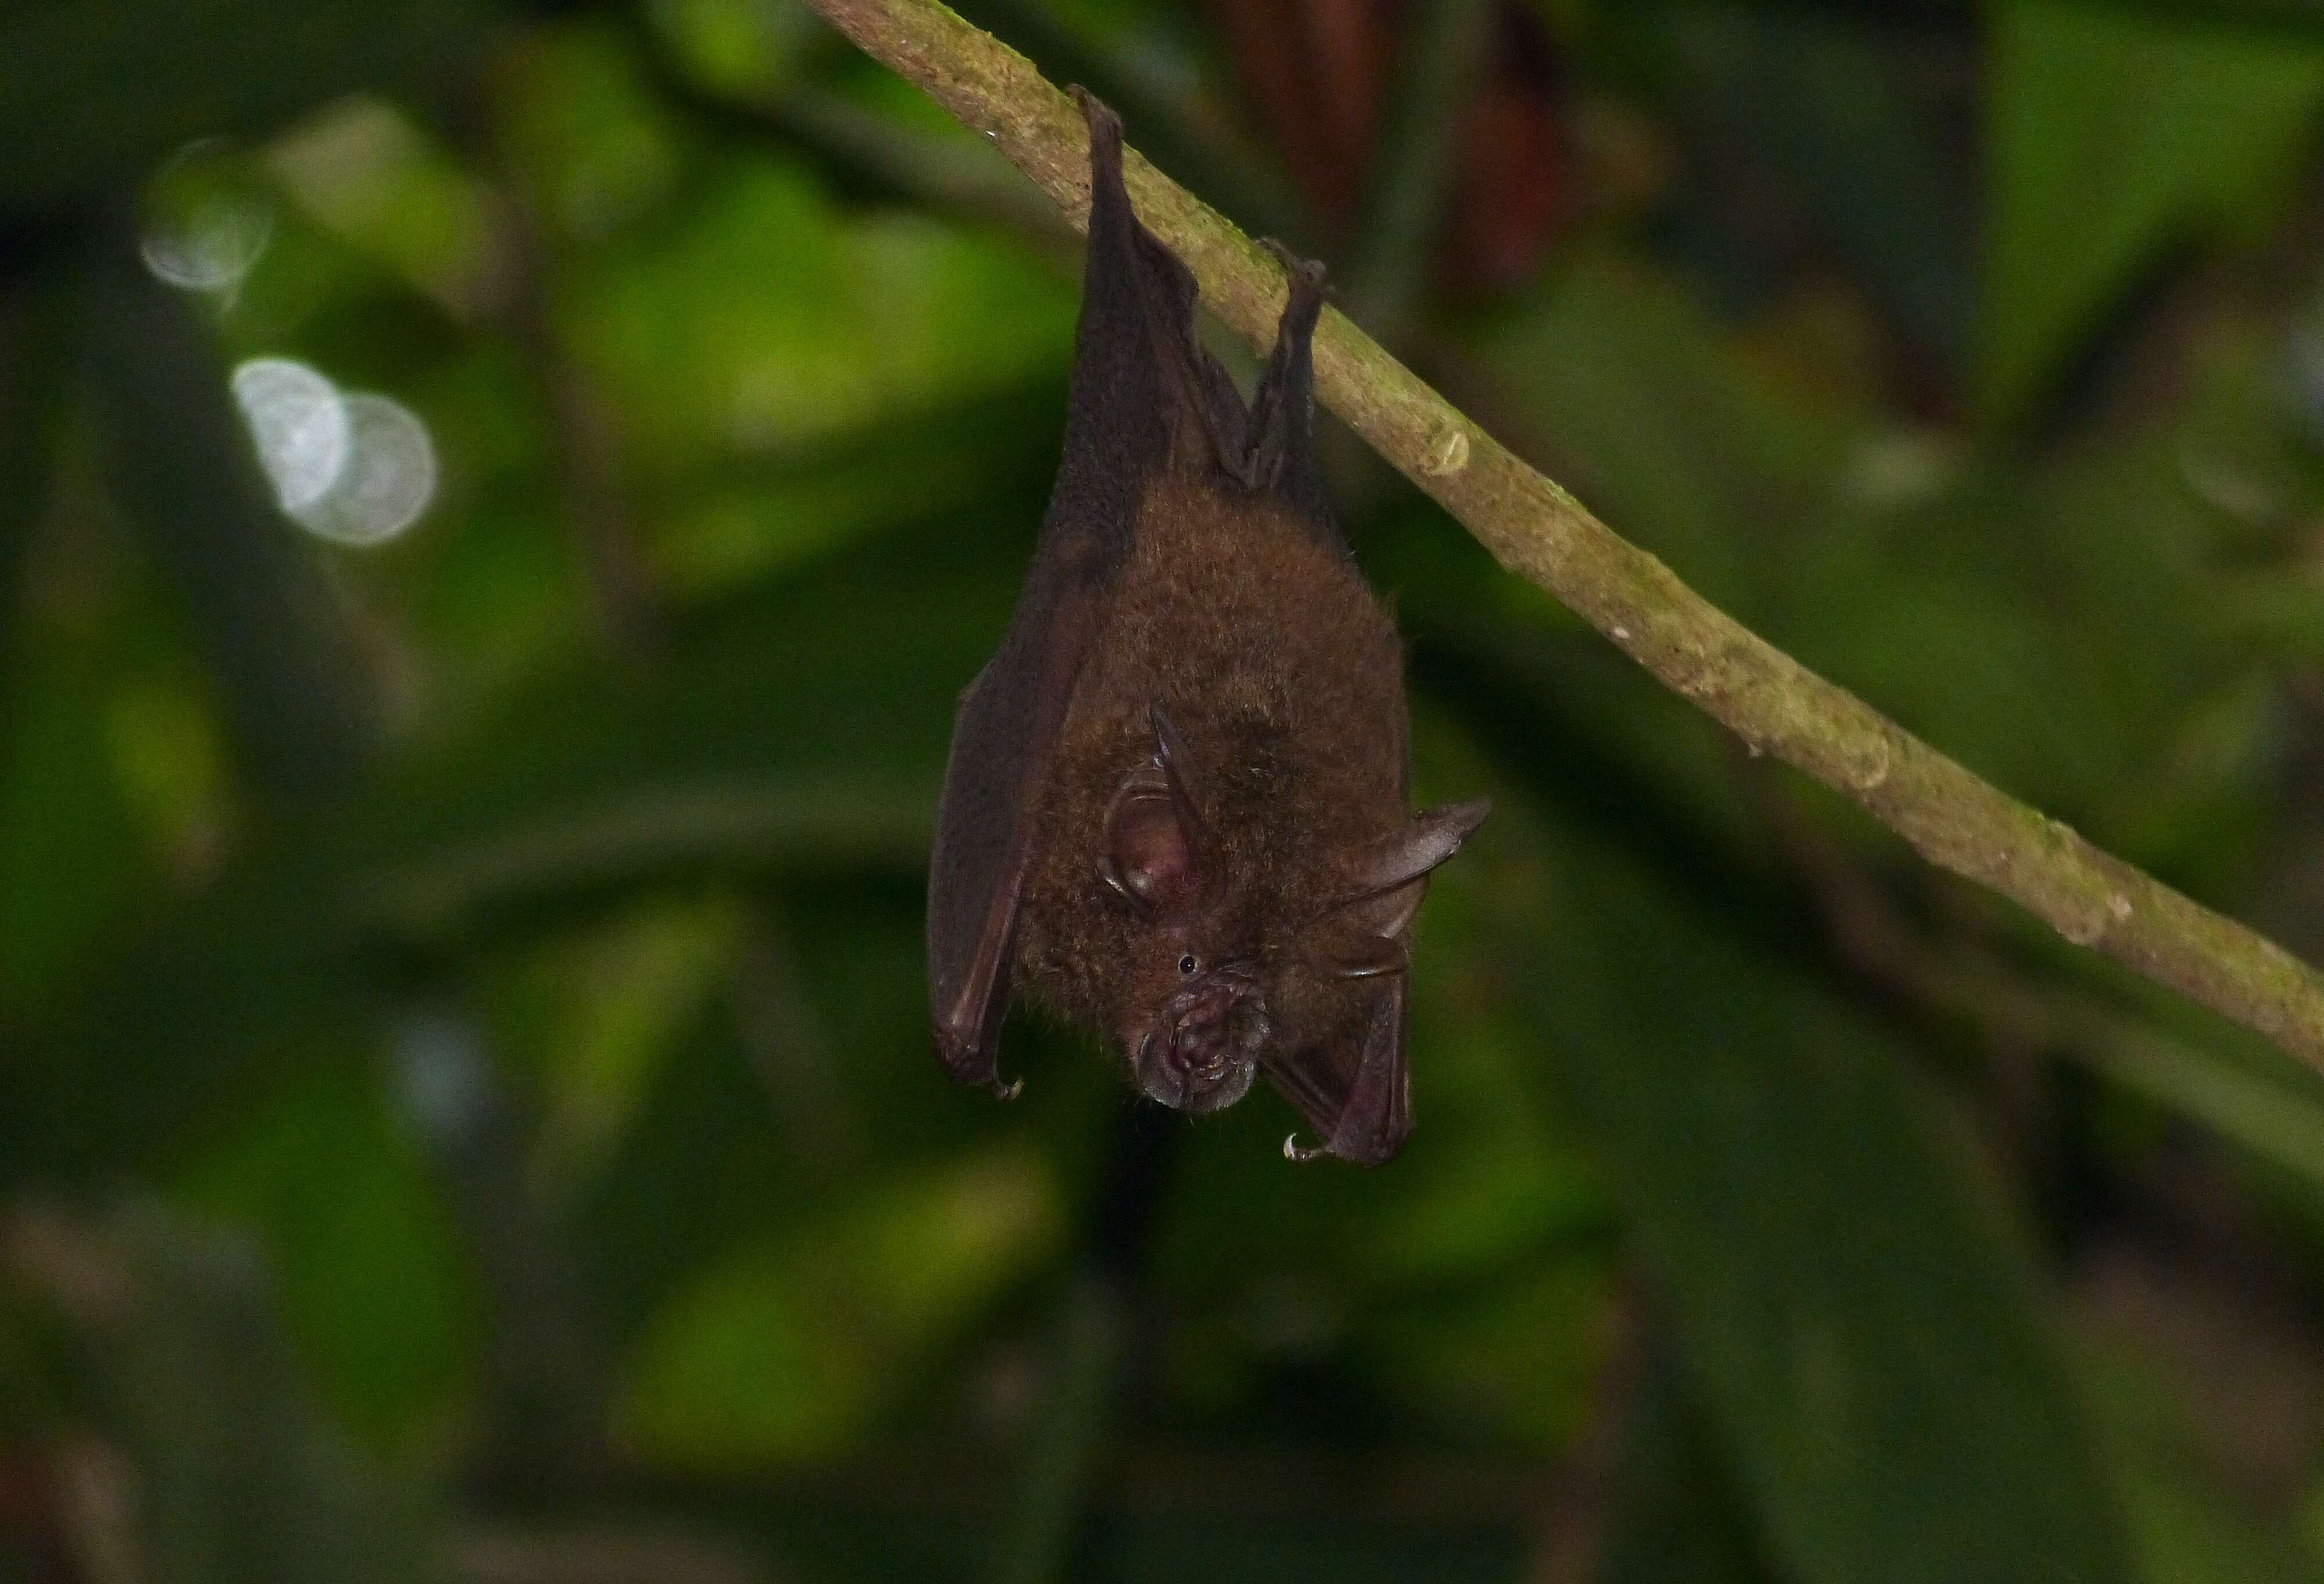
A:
31, 1532
1317, 72
1514, 191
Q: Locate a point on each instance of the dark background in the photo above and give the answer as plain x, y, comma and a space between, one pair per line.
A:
466, 1111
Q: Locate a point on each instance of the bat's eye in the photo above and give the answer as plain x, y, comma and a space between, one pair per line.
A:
1186, 965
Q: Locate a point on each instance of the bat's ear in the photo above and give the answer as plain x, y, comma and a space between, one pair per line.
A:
1432, 836
1153, 832
1149, 854
1391, 876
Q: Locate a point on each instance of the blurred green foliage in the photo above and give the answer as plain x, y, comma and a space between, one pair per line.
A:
465, 1102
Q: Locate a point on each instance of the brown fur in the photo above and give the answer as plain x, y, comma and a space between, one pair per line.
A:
1284, 674
1195, 662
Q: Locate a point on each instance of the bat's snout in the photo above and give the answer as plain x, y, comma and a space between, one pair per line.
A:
1203, 1053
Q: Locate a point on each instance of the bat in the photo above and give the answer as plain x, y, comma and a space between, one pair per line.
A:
1177, 810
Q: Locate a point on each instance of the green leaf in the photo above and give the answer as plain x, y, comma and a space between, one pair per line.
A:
36, 325
377, 181
1860, 1326
1837, 110
789, 1347
2052, 628
2110, 130
2174, 1373
69, 841
239, 1479
1677, 1513
373, 1285
793, 731
1640, 402
773, 322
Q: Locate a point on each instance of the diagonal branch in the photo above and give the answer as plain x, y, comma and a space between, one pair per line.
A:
1537, 530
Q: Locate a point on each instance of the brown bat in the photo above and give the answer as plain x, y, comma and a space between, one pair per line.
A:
1177, 805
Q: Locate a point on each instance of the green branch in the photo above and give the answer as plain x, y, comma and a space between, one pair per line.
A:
1537, 530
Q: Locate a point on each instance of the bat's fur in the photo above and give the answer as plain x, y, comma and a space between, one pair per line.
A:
1284, 674
1176, 805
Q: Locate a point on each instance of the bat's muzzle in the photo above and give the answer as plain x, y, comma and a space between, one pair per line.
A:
1203, 1053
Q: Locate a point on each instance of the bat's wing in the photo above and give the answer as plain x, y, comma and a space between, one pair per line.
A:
1356, 1093
1001, 743
1140, 378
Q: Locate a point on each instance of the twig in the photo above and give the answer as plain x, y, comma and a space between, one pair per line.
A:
2273, 1116
1537, 530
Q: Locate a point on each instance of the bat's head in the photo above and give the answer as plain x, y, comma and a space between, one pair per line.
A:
1208, 995
1197, 1007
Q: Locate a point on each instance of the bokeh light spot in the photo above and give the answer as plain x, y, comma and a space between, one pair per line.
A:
300, 423
357, 468
388, 478
206, 221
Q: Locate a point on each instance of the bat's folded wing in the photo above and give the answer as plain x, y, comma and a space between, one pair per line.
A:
1140, 377
1004, 740
974, 876
1356, 1092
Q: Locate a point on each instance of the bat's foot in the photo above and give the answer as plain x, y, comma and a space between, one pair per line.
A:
1008, 1090
1300, 1155
1104, 126
1308, 273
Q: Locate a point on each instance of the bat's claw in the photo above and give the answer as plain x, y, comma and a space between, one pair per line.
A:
1300, 1155
1008, 1090
1104, 126
1308, 273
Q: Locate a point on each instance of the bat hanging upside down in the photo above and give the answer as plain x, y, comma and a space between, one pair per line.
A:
1178, 809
